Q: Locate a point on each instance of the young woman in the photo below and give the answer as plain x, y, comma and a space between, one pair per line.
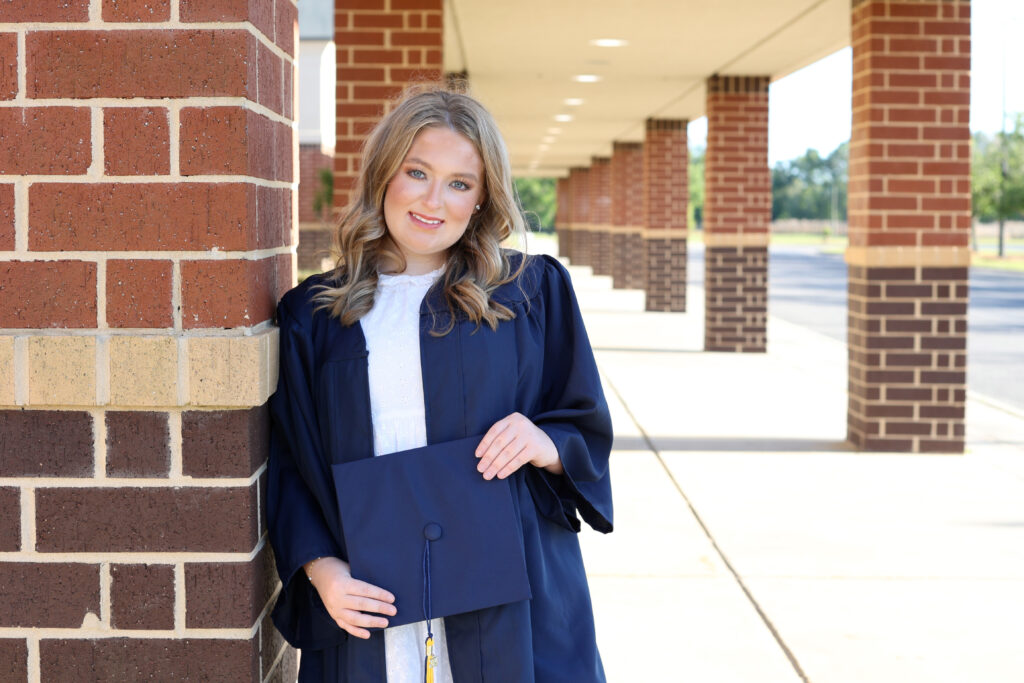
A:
427, 332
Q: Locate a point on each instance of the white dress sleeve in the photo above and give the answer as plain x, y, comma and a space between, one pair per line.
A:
392, 336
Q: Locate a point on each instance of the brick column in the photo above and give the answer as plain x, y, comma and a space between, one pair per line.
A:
628, 255
146, 215
315, 233
665, 196
382, 46
563, 213
601, 215
910, 216
737, 214
580, 177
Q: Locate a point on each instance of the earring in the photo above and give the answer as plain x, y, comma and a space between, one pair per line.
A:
477, 207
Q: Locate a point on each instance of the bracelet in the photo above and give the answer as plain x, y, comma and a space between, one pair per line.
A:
309, 568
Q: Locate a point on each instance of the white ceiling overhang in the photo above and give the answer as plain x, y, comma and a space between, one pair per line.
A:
522, 58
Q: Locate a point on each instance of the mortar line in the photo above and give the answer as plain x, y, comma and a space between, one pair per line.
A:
707, 532
32, 645
22, 70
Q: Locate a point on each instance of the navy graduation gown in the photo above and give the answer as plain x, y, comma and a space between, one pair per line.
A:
539, 364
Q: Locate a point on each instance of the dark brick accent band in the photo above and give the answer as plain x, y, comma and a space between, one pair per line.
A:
142, 596
229, 594
636, 261
618, 242
125, 659
10, 519
13, 660
582, 243
738, 84
193, 519
313, 246
666, 273
602, 253
46, 443
287, 668
736, 296
564, 241
224, 443
48, 595
908, 358
138, 444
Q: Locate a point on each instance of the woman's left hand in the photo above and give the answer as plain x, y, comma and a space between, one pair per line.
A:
513, 442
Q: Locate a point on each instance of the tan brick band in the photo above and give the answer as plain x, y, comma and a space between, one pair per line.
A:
908, 256
135, 371
664, 234
736, 239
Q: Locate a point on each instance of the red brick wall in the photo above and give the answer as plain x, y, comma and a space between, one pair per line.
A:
737, 214
311, 161
580, 176
628, 253
145, 222
563, 213
601, 215
665, 196
382, 45
910, 215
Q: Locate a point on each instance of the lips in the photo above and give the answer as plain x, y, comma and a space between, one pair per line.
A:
426, 221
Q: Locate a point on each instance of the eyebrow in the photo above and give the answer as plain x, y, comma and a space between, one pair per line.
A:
417, 160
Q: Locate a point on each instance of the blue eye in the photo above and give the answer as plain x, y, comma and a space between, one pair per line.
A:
459, 185
417, 173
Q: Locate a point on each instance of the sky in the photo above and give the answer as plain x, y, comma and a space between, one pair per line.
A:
810, 109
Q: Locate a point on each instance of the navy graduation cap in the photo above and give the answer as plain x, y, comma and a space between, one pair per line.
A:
426, 526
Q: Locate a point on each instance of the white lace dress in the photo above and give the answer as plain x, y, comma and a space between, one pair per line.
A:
392, 336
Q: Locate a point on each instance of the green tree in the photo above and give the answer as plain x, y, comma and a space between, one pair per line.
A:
537, 195
811, 186
695, 178
324, 195
997, 177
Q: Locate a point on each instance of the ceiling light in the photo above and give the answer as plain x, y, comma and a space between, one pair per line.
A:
573, 101
543, 148
563, 118
554, 131
609, 42
548, 139
586, 78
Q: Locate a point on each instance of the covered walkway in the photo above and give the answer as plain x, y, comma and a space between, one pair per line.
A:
752, 543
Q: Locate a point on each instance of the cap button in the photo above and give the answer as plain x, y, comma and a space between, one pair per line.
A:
432, 531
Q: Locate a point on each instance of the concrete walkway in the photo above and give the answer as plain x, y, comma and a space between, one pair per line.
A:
753, 545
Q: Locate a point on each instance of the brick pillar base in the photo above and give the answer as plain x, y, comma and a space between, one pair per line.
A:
665, 193
910, 218
563, 235
147, 218
635, 259
314, 245
627, 206
665, 272
908, 358
602, 253
737, 214
619, 265
736, 298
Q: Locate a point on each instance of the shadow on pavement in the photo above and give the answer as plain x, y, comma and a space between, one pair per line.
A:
731, 444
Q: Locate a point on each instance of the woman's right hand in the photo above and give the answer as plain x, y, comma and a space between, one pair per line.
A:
346, 599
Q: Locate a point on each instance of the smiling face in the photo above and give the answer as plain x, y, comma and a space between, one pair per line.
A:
430, 200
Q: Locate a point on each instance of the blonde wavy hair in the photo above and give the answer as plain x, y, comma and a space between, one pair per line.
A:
476, 264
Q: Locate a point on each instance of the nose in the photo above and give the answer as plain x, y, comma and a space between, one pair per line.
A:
433, 197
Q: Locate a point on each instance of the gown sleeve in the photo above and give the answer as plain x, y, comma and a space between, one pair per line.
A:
572, 411
297, 490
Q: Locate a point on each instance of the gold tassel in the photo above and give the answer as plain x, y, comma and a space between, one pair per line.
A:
430, 663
